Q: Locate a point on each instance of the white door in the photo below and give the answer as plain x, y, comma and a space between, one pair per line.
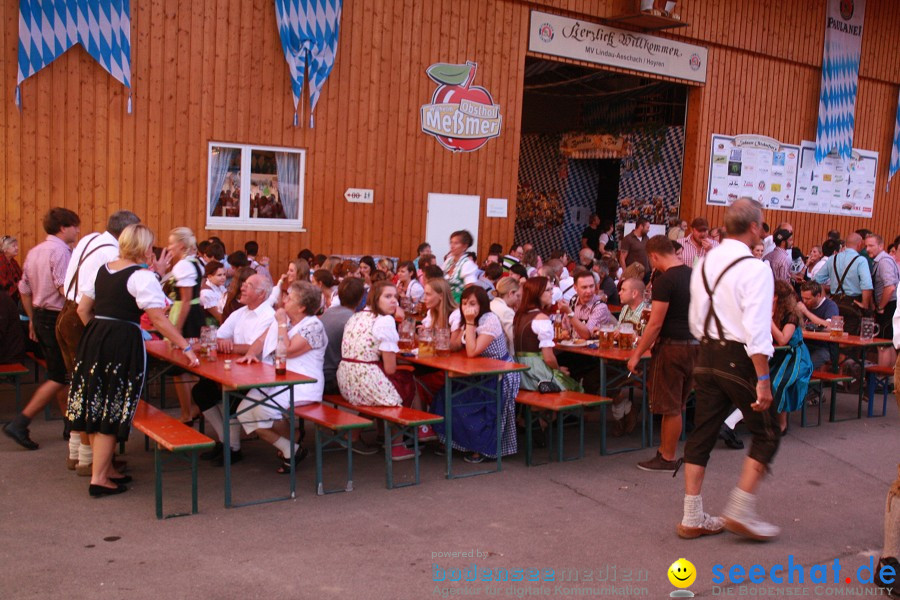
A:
448, 213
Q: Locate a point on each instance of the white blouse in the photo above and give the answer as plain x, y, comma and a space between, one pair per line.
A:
184, 273
143, 285
543, 329
211, 296
455, 319
385, 332
506, 316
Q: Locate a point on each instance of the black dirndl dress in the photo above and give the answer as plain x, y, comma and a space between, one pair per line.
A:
111, 361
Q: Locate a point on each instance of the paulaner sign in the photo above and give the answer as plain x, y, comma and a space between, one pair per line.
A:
573, 38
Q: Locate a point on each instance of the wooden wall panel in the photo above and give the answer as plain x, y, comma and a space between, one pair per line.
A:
214, 70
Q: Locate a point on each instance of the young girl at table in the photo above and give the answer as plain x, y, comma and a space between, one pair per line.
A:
325, 280
305, 354
509, 295
533, 338
186, 314
407, 284
213, 290
440, 313
475, 427
790, 369
368, 373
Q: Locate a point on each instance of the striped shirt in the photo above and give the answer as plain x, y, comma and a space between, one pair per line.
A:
690, 253
44, 273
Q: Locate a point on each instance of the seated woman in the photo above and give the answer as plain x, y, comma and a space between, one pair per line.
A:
408, 285
232, 300
533, 338
213, 290
368, 374
386, 265
509, 295
459, 269
305, 354
792, 368
475, 413
298, 270
440, 308
325, 281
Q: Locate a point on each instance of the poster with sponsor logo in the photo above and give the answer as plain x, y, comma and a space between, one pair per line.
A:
754, 166
836, 187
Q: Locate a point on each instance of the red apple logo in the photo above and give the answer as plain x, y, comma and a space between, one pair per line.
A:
462, 117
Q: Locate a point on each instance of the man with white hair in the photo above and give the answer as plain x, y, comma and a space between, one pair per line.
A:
243, 327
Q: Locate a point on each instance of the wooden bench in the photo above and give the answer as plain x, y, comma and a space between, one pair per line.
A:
332, 426
832, 379
170, 434
405, 420
559, 404
878, 375
12, 373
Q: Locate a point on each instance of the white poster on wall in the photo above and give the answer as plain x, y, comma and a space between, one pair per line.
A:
834, 186
448, 213
600, 44
754, 166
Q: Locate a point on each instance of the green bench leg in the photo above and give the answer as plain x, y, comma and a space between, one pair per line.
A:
343, 438
194, 507
529, 436
157, 466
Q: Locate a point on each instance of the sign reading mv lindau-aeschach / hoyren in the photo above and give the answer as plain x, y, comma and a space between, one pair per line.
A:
572, 38
461, 116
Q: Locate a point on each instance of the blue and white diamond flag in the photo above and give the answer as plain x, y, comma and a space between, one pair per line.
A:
895, 147
47, 28
309, 36
840, 75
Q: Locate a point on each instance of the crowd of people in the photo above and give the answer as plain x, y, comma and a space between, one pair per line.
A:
710, 305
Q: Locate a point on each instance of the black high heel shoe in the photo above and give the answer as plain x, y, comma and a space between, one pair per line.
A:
101, 490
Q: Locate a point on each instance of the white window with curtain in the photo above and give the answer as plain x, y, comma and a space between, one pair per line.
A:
256, 188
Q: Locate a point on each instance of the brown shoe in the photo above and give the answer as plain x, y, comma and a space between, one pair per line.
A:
71, 463
658, 464
618, 428
710, 526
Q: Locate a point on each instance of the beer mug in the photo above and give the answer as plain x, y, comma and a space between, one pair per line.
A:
426, 342
868, 329
442, 341
607, 335
836, 326
626, 336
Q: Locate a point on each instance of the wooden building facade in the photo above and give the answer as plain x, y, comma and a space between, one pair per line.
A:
213, 70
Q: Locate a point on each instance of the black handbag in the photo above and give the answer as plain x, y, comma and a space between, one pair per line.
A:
549, 387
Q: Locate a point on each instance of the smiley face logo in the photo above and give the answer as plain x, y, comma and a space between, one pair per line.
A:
682, 573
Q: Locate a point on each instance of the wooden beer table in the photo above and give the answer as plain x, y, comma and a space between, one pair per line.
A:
616, 359
236, 382
855, 348
464, 374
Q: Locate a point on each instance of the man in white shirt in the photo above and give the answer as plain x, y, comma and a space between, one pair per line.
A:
92, 252
731, 314
243, 327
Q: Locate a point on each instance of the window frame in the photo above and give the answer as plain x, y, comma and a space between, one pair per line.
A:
248, 223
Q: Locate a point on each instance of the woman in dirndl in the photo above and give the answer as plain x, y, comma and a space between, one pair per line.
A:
475, 411
459, 269
111, 362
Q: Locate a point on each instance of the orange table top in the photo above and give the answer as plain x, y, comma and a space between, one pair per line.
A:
239, 377
845, 340
613, 354
460, 364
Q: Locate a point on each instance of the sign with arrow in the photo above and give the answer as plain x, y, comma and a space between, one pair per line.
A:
360, 195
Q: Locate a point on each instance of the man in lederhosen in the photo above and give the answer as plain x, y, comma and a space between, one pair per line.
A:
731, 315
